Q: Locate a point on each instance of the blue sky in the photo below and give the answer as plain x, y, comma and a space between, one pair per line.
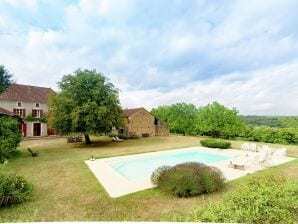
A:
243, 54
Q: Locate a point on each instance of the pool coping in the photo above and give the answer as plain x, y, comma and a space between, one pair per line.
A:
116, 185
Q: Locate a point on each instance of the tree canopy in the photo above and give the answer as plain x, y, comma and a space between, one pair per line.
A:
88, 103
218, 121
180, 117
5, 78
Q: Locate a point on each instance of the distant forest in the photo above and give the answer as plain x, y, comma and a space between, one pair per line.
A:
271, 121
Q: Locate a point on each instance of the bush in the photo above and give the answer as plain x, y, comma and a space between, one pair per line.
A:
14, 189
123, 136
266, 199
189, 179
156, 173
10, 137
213, 143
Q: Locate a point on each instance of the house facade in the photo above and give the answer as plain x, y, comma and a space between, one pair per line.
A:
30, 104
138, 121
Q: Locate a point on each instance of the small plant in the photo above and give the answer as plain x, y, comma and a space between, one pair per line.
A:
213, 143
14, 189
30, 118
188, 179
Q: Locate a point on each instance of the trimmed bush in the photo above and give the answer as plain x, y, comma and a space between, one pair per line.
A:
265, 199
10, 137
14, 189
213, 143
156, 173
189, 179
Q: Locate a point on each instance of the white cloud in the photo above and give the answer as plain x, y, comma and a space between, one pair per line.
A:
271, 91
198, 55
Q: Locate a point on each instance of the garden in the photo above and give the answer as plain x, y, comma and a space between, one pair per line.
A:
63, 188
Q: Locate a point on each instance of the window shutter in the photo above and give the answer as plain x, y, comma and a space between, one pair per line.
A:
33, 115
41, 113
14, 111
24, 112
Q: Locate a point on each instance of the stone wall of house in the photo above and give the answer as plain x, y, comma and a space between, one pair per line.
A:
140, 123
162, 130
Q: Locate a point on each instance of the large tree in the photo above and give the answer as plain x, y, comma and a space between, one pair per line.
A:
88, 103
5, 78
218, 121
180, 117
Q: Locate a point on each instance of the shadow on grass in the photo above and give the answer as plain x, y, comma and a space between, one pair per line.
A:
95, 143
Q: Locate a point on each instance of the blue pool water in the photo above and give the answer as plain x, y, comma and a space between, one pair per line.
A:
143, 166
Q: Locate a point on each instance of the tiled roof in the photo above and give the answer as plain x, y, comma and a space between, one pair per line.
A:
129, 112
18, 92
6, 112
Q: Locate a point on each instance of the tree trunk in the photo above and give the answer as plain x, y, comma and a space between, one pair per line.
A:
87, 138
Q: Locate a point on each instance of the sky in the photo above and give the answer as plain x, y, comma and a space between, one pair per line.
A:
243, 54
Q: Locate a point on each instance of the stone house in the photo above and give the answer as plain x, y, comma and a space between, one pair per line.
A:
138, 121
24, 100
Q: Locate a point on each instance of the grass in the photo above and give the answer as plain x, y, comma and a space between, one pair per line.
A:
66, 190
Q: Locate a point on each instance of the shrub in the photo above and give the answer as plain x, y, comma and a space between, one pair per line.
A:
156, 173
189, 179
123, 136
10, 137
266, 199
213, 143
14, 189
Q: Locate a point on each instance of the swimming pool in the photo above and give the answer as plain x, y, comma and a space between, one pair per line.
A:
142, 167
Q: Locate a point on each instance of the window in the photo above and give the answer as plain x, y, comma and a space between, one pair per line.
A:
37, 105
19, 112
35, 113
19, 104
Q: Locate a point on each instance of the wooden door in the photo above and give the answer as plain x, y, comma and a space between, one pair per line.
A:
36, 129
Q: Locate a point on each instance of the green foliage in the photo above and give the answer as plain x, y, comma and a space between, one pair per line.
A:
271, 121
218, 121
10, 137
123, 136
180, 117
87, 104
274, 135
189, 179
5, 78
14, 189
30, 118
156, 173
266, 199
213, 143
290, 121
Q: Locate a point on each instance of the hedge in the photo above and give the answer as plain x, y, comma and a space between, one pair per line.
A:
213, 143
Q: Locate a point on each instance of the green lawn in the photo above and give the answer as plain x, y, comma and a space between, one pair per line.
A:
66, 190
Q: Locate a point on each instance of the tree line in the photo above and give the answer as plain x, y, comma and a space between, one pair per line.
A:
271, 121
218, 121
